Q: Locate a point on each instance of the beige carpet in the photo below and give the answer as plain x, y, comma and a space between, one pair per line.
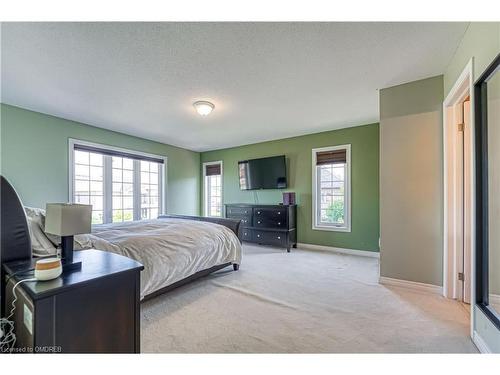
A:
302, 302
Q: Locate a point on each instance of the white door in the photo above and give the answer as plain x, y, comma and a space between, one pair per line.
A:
459, 203
467, 204
463, 201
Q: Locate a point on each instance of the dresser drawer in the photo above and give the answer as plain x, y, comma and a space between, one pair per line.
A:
246, 220
238, 210
271, 213
246, 234
270, 238
263, 222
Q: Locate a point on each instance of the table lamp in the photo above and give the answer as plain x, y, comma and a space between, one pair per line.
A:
66, 220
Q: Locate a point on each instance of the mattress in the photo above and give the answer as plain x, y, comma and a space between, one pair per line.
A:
170, 249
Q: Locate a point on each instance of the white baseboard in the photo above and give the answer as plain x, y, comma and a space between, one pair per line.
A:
480, 343
363, 253
494, 299
422, 287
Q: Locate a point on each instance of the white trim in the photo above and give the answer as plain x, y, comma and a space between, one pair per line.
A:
137, 192
73, 141
362, 253
162, 181
347, 188
452, 257
107, 203
204, 187
480, 343
413, 285
71, 170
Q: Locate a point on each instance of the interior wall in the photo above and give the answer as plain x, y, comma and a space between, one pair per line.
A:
298, 151
411, 181
481, 42
34, 158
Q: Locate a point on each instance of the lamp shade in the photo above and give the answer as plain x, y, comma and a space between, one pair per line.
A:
67, 219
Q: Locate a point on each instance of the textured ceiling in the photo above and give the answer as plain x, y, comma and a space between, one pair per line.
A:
267, 80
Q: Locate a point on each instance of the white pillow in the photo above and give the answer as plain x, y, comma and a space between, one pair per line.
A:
40, 244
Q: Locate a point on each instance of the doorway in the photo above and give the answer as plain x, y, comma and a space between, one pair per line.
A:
458, 146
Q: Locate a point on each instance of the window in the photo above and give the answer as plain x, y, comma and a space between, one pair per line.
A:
149, 189
121, 185
331, 188
212, 179
122, 176
88, 184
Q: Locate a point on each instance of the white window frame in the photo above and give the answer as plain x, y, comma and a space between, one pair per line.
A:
316, 225
206, 209
107, 210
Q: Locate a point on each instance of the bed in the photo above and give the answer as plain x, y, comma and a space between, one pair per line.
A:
174, 249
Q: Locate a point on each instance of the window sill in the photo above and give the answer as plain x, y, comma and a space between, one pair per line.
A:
331, 228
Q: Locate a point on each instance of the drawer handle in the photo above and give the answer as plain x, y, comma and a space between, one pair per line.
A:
258, 213
279, 238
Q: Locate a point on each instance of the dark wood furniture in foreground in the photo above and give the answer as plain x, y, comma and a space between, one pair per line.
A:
87, 312
274, 225
92, 310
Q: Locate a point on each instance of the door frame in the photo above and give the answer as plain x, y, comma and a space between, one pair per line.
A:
453, 258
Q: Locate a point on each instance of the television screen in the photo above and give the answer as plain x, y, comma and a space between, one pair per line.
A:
264, 173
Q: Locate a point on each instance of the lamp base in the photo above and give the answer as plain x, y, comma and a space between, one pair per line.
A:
67, 255
71, 266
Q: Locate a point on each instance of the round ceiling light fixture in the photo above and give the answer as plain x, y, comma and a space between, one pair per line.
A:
203, 107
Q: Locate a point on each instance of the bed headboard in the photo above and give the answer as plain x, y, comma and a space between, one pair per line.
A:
15, 241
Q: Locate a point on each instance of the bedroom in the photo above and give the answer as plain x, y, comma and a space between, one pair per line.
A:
289, 180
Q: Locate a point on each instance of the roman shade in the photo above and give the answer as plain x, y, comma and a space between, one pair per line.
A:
331, 157
129, 155
212, 170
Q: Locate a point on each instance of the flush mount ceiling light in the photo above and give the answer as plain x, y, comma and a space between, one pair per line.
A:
203, 107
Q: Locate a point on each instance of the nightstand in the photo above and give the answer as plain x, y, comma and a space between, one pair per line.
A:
92, 310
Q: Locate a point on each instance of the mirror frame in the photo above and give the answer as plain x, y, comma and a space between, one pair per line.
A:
481, 153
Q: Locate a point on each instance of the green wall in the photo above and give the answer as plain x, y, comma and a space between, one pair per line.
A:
365, 182
34, 157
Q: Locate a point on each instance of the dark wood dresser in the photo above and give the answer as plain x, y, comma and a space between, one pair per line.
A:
92, 310
274, 225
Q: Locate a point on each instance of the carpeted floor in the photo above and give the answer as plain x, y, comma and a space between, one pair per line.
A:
302, 302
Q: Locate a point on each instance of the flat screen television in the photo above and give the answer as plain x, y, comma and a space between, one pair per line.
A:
263, 173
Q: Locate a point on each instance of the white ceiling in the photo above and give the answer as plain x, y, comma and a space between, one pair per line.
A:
267, 80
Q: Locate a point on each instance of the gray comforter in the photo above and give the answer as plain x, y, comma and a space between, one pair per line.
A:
169, 249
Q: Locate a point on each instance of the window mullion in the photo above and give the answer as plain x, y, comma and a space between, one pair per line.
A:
108, 190
209, 196
137, 190
346, 192
318, 195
